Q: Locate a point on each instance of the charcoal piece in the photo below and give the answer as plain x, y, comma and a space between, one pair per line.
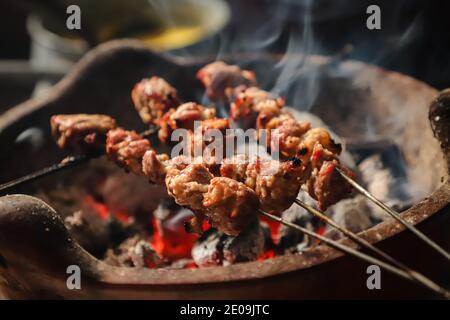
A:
93, 233
207, 251
352, 214
247, 246
135, 251
290, 240
214, 248
131, 194
386, 183
143, 255
268, 240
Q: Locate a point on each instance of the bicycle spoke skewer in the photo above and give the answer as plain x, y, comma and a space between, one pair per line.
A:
360, 255
66, 163
396, 216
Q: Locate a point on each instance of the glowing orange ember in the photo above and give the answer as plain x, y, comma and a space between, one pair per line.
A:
170, 240
103, 210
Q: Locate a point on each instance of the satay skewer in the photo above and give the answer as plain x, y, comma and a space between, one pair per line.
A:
65, 164
366, 244
411, 275
362, 256
396, 216
218, 74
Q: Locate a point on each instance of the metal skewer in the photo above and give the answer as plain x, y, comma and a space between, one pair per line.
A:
406, 273
358, 254
366, 244
395, 215
65, 164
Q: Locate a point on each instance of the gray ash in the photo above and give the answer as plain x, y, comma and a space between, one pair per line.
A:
291, 240
214, 248
135, 251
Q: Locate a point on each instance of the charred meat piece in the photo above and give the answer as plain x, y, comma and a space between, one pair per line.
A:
221, 79
327, 186
154, 166
182, 117
153, 97
210, 140
235, 167
127, 148
250, 103
317, 136
276, 183
81, 132
188, 185
285, 134
230, 205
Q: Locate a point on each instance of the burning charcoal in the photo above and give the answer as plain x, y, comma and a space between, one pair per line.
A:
135, 251
387, 183
131, 194
353, 214
143, 255
94, 233
247, 246
166, 208
268, 240
170, 238
215, 248
291, 240
207, 251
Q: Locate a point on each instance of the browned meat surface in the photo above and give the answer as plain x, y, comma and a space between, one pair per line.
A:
317, 136
182, 117
81, 132
154, 166
250, 103
187, 185
127, 148
210, 140
230, 205
222, 80
235, 167
327, 186
153, 97
276, 183
284, 134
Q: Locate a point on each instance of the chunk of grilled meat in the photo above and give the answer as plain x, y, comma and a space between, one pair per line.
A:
317, 136
187, 182
187, 185
81, 132
327, 186
230, 206
222, 81
182, 117
153, 97
154, 166
210, 140
249, 103
284, 135
276, 183
235, 167
127, 149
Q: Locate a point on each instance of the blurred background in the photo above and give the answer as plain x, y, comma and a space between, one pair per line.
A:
36, 49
